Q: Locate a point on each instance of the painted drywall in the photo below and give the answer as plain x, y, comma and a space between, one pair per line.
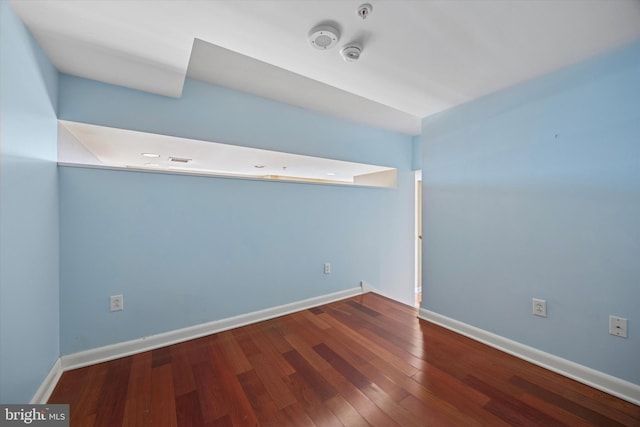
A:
29, 306
184, 250
535, 192
416, 145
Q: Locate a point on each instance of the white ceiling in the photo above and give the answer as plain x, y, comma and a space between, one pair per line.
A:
92, 145
419, 57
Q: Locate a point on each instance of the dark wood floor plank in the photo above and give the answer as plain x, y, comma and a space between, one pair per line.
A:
225, 421
247, 345
140, 375
339, 364
110, 410
386, 382
188, 411
447, 386
272, 380
212, 397
431, 416
316, 310
183, 379
599, 401
163, 403
311, 401
277, 339
399, 312
265, 409
447, 395
233, 352
297, 416
343, 360
310, 375
395, 411
240, 411
346, 413
357, 399
270, 352
300, 322
137, 412
366, 360
359, 306
70, 390
298, 343
88, 400
160, 356
559, 401
406, 353
350, 335
509, 408
314, 319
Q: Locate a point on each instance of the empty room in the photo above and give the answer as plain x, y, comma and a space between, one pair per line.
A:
329, 213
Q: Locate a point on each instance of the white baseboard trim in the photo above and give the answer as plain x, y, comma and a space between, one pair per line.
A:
127, 348
591, 377
49, 383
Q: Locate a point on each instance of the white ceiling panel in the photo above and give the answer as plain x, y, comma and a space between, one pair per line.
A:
419, 57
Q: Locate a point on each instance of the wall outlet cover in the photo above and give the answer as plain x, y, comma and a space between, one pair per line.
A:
539, 307
116, 303
618, 326
327, 268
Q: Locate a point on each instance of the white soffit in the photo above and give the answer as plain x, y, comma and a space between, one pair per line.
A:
92, 145
214, 64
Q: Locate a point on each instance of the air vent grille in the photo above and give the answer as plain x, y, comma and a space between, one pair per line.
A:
179, 159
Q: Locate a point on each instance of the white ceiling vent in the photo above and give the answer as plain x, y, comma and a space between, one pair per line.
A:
324, 37
179, 159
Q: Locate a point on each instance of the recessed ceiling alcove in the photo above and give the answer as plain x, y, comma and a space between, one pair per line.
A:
81, 144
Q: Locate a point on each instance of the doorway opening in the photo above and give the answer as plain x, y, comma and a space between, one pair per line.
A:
418, 238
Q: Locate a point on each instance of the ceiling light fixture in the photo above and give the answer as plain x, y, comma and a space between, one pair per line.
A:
323, 37
351, 52
154, 155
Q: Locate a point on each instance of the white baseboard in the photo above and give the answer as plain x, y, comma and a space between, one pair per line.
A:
596, 379
127, 348
49, 383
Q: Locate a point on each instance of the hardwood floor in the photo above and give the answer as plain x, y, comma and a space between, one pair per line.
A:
357, 362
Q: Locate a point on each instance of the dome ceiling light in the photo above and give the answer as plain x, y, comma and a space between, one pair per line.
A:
323, 37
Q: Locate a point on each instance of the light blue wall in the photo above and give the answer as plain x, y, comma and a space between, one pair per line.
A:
416, 146
186, 250
535, 192
29, 306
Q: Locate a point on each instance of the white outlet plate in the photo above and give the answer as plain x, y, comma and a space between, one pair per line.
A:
539, 307
618, 326
117, 303
327, 268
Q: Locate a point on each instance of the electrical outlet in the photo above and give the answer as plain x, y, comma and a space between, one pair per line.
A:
327, 268
539, 307
618, 326
117, 303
